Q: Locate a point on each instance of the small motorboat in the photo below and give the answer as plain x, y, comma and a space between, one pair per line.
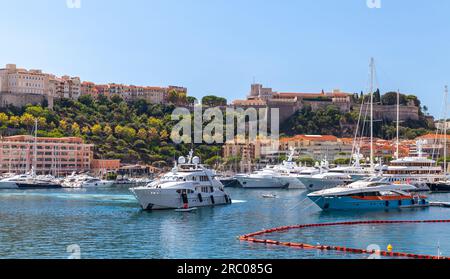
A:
269, 196
191, 209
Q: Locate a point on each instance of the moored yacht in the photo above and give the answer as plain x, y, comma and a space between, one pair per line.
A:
368, 194
11, 182
85, 181
269, 178
418, 171
188, 185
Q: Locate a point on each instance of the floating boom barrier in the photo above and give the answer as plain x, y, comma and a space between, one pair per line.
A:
252, 238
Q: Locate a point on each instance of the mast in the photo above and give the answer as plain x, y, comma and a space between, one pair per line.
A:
372, 70
398, 125
33, 172
445, 131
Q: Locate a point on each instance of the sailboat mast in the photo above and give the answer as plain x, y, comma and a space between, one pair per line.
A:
398, 124
35, 145
445, 130
372, 65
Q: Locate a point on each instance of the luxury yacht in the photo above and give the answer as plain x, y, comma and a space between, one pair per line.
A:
284, 175
188, 185
374, 193
29, 181
269, 178
418, 171
85, 181
11, 181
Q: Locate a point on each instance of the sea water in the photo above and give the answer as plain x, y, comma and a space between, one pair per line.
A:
109, 224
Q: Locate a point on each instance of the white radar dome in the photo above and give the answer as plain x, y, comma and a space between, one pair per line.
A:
196, 160
181, 160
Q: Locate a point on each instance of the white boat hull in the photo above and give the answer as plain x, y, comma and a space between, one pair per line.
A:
104, 184
317, 184
252, 182
157, 199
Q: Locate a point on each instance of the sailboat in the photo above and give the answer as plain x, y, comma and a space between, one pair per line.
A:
371, 193
31, 180
443, 185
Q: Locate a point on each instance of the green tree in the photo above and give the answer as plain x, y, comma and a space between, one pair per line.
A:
214, 101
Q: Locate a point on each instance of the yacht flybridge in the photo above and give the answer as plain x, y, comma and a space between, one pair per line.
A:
374, 193
188, 185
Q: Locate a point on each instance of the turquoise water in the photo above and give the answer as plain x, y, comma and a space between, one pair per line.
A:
108, 223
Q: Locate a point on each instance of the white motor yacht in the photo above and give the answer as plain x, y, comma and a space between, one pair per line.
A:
85, 181
188, 185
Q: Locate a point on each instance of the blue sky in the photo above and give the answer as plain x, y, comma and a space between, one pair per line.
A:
219, 46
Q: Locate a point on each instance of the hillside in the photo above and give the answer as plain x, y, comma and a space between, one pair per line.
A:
330, 121
136, 132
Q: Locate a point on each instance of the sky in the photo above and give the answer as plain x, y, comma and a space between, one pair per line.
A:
220, 46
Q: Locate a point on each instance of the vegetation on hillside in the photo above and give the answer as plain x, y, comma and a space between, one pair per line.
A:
135, 132
331, 121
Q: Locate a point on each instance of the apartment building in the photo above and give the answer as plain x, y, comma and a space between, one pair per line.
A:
317, 147
58, 156
20, 87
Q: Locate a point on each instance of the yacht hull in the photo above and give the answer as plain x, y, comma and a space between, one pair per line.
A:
351, 203
317, 184
38, 185
261, 183
292, 182
98, 185
8, 185
154, 199
439, 187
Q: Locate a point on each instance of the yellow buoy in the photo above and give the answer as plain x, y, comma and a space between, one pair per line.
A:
390, 248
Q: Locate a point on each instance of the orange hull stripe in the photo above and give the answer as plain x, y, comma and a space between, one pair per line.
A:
386, 198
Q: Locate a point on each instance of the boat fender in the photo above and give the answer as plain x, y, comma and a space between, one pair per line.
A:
200, 198
212, 200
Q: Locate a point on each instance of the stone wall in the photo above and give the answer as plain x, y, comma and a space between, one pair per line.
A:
21, 99
389, 112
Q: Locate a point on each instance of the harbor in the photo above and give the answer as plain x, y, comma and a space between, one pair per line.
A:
108, 223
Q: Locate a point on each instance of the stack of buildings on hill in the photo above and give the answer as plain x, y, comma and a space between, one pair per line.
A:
331, 148
291, 102
20, 87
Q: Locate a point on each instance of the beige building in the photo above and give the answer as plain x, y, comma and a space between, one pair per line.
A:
317, 147
15, 80
65, 87
152, 94
20, 87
